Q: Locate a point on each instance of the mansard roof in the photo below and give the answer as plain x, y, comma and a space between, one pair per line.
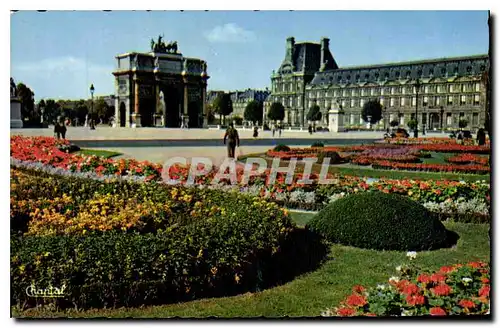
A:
306, 58
422, 69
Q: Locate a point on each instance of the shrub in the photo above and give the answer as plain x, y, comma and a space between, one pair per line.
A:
335, 158
281, 148
380, 221
318, 144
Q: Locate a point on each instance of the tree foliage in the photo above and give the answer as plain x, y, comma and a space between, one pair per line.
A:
253, 111
314, 113
276, 112
27, 97
223, 105
463, 123
412, 124
394, 123
372, 111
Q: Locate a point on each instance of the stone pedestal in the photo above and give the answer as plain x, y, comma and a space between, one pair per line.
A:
205, 122
136, 120
185, 121
16, 121
336, 120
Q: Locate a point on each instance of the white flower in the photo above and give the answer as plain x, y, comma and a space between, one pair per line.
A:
393, 278
411, 255
466, 280
398, 268
405, 313
380, 286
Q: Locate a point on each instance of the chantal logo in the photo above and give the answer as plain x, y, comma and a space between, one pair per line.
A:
33, 291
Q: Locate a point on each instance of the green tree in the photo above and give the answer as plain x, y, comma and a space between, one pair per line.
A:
223, 105
81, 111
412, 124
276, 112
462, 123
253, 111
52, 110
314, 113
100, 109
394, 123
27, 101
372, 111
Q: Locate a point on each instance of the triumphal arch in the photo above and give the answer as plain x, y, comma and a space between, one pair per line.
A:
161, 83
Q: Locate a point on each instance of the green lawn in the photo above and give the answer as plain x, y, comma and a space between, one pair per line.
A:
99, 152
311, 293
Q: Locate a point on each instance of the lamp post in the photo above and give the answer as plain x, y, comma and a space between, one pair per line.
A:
417, 87
442, 118
92, 126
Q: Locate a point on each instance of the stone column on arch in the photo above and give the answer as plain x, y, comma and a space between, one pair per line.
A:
136, 116
185, 116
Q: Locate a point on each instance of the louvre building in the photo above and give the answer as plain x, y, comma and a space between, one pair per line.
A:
450, 88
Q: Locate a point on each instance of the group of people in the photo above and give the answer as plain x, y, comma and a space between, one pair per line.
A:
277, 128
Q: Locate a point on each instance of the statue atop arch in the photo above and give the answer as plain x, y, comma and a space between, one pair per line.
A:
160, 46
13, 88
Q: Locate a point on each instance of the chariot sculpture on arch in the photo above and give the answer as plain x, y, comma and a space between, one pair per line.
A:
160, 46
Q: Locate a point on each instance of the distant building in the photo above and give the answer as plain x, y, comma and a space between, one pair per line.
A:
450, 88
240, 99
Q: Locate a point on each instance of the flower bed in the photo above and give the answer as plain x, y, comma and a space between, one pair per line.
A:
116, 243
296, 195
453, 290
390, 165
468, 159
421, 141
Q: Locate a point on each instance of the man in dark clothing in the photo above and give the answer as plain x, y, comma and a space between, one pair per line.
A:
233, 140
481, 137
57, 130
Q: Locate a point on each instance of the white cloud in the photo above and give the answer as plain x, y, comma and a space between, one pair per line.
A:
229, 33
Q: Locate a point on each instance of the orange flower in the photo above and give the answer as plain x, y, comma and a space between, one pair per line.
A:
436, 277
410, 289
356, 300
467, 304
423, 278
437, 311
346, 312
441, 290
358, 289
415, 300
446, 269
474, 264
485, 280
485, 291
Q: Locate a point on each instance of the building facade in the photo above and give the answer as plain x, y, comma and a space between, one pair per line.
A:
160, 82
448, 89
240, 99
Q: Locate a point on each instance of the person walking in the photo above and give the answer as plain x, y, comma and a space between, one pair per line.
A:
255, 132
310, 129
233, 140
57, 130
274, 129
279, 130
481, 137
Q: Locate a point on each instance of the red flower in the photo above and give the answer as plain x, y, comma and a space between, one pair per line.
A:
410, 289
356, 300
474, 264
415, 300
485, 280
370, 315
467, 304
441, 290
358, 289
346, 312
436, 277
423, 278
437, 311
446, 269
485, 291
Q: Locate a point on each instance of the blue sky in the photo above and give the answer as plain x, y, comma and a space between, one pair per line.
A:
59, 54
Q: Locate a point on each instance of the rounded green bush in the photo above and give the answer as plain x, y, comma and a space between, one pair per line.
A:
281, 148
335, 158
380, 221
317, 144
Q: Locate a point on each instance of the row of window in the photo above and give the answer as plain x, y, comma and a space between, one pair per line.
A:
374, 91
429, 120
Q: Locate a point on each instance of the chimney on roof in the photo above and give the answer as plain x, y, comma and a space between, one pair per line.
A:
325, 44
290, 43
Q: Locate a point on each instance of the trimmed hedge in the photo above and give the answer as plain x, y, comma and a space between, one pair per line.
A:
380, 221
317, 144
281, 147
245, 245
335, 158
